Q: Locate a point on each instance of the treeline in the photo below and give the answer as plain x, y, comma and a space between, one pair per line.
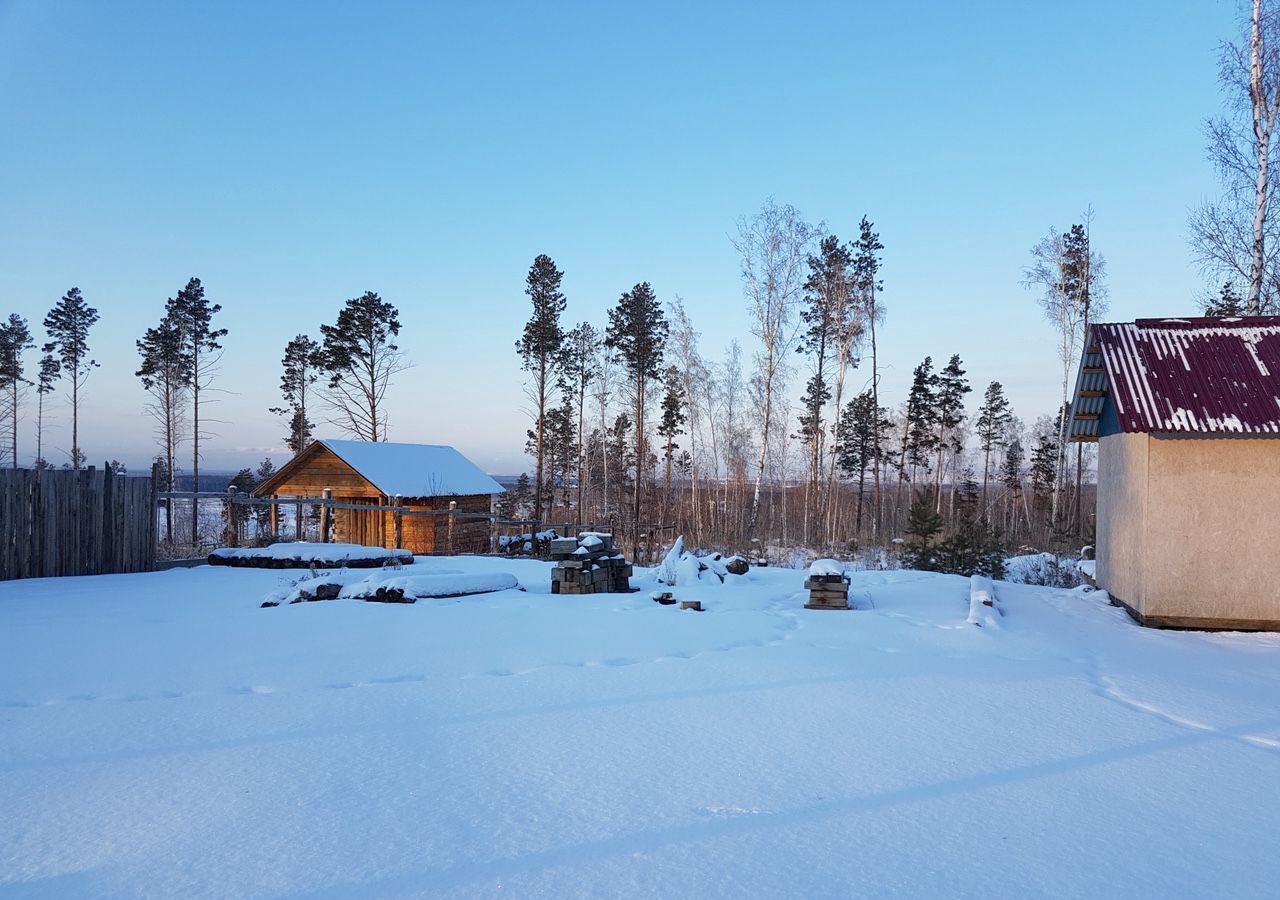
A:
633, 428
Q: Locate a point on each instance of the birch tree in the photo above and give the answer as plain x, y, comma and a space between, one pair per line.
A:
1237, 234
773, 246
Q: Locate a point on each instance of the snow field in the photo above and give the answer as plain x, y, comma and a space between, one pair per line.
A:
161, 736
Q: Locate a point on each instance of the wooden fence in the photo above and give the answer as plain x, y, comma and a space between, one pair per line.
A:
85, 522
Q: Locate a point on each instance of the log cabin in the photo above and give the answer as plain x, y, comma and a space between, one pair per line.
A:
1186, 415
423, 477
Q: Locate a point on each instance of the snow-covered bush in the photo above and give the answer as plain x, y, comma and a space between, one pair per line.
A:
1043, 569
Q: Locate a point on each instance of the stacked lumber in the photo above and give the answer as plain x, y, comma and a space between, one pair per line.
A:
828, 585
589, 564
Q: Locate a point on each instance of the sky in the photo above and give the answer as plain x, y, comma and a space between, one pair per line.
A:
294, 155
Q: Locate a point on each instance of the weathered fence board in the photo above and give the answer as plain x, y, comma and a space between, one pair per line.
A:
86, 522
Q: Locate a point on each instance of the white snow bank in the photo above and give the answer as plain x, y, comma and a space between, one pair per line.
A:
826, 567
1088, 567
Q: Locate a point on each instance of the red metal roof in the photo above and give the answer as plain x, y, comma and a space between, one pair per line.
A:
1192, 375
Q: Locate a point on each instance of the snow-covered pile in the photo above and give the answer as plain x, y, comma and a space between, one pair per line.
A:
825, 568
983, 609
680, 568
308, 554
392, 586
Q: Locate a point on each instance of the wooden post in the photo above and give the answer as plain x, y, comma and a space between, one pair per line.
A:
326, 514
297, 520
453, 512
398, 520
233, 525
275, 518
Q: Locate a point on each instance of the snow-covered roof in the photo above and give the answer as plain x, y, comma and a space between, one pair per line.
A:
1181, 375
414, 470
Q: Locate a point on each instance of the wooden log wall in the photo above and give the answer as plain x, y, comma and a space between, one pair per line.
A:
87, 522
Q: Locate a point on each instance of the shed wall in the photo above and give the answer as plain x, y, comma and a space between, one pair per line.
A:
1213, 532
1122, 516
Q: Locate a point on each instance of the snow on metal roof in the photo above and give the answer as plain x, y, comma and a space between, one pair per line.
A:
1200, 376
414, 470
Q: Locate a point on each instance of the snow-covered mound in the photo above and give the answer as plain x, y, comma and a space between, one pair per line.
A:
308, 554
390, 586
680, 568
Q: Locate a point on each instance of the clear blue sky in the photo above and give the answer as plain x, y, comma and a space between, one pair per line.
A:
294, 155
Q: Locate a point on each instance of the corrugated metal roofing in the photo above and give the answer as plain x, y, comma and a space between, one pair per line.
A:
1200, 376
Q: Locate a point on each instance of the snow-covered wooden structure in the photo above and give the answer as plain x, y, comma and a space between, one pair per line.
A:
1186, 414
417, 477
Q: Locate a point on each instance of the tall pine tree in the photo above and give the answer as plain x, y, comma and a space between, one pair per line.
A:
993, 422
165, 372
856, 449
193, 313
300, 365
46, 381
67, 326
637, 331
670, 427
15, 340
360, 357
540, 354
951, 386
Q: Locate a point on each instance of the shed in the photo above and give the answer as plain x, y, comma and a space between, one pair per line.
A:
1186, 414
422, 476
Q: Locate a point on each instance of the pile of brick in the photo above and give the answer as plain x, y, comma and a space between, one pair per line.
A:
828, 585
589, 564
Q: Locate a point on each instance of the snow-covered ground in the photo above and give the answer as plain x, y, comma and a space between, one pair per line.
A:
163, 736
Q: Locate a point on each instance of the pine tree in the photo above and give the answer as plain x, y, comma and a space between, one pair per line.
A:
262, 514
300, 365
540, 353
165, 373
826, 304
637, 330
1227, 305
867, 284
924, 525
578, 369
193, 314
50, 372
1044, 465
993, 423
669, 427
359, 356
15, 340
920, 419
856, 449
67, 325
1011, 474
949, 391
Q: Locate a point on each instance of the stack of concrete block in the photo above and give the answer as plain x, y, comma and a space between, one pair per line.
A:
589, 564
828, 585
